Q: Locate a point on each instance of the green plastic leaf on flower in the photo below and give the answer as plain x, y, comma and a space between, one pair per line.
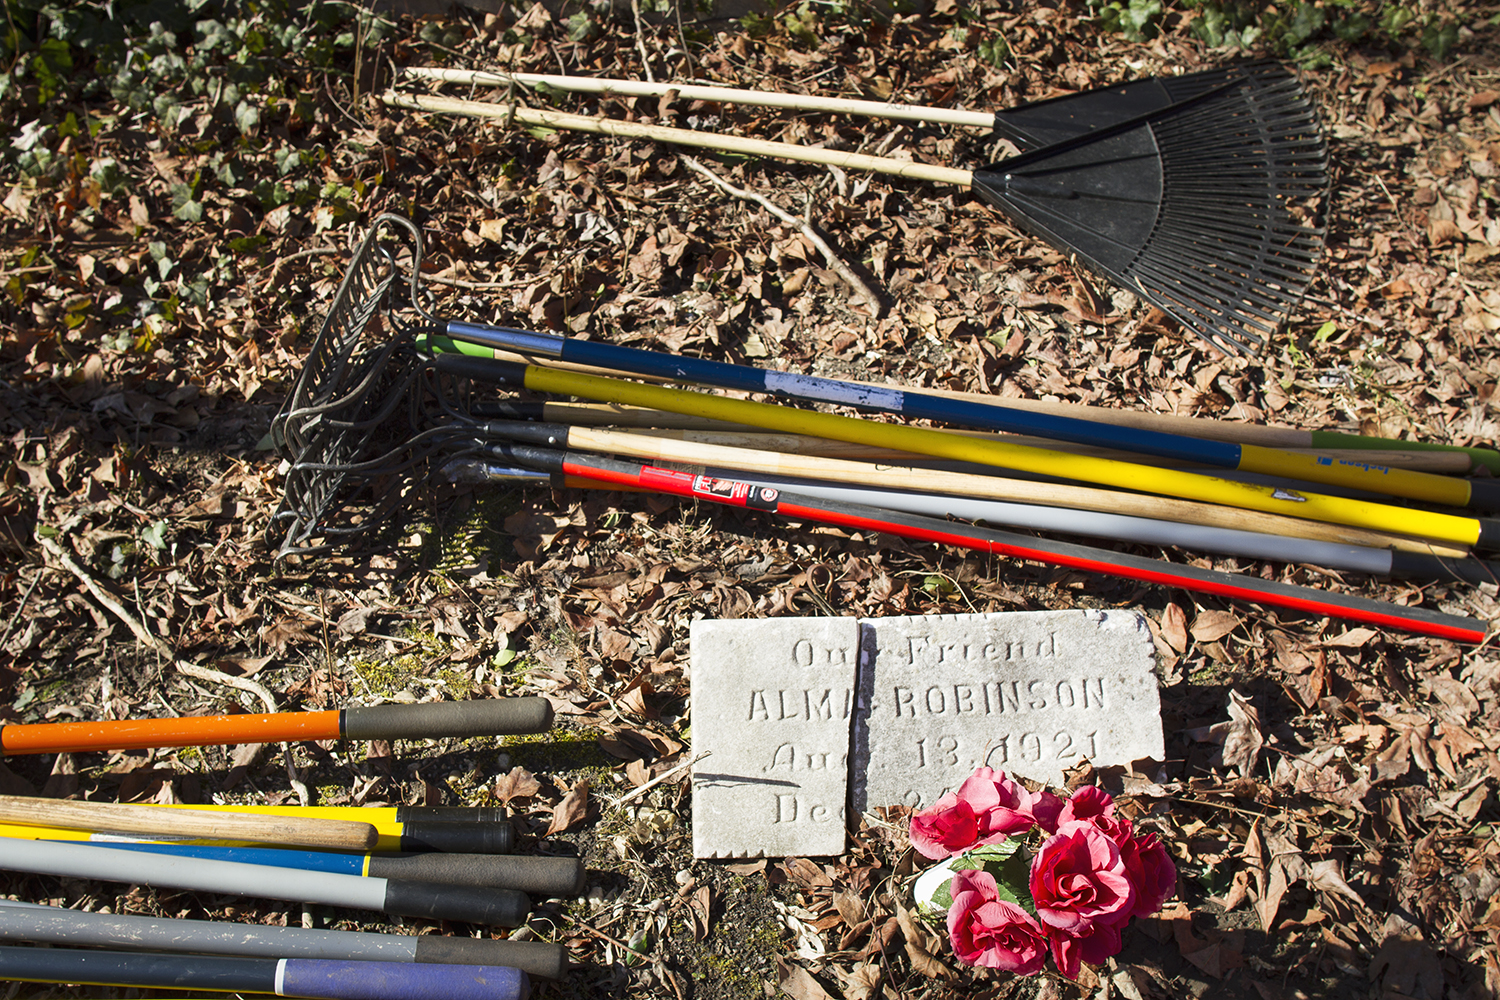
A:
1004, 861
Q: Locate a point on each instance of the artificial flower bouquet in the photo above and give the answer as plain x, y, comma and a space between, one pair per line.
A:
1027, 874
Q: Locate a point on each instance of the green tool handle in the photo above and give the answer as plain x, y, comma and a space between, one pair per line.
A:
1487, 457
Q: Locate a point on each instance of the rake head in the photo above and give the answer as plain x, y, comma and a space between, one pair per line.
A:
1207, 207
346, 429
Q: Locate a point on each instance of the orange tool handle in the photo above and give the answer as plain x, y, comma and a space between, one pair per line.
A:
463, 719
184, 731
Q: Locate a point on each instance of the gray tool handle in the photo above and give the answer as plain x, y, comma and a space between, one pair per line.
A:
76, 928
492, 717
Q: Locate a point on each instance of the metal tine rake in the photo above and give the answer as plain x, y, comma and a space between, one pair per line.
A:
347, 454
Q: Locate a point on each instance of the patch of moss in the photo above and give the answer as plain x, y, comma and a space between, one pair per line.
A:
739, 954
471, 533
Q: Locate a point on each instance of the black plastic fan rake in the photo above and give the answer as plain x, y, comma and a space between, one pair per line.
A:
1203, 195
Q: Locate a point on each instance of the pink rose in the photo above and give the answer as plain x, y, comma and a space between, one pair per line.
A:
1151, 872
1095, 948
1004, 806
947, 828
987, 930
1086, 802
1092, 804
1078, 879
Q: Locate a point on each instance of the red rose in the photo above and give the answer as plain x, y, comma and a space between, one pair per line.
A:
1087, 802
1004, 806
1078, 879
987, 930
1096, 947
1151, 872
1092, 804
947, 828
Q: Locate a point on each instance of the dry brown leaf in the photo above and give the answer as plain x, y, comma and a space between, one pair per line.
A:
519, 783
850, 906
1406, 964
808, 874
799, 984
1326, 875
1214, 956
1238, 892
916, 931
863, 982
1456, 696
572, 809
1210, 626
1240, 738
637, 772
1174, 627
701, 904
1351, 639
283, 633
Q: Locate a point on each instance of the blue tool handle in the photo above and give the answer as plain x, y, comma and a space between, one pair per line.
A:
344, 980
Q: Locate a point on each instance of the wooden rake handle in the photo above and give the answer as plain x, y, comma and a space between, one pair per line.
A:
199, 825
607, 87
680, 137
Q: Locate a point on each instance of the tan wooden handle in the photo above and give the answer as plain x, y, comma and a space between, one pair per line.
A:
681, 137
188, 823
899, 477
698, 92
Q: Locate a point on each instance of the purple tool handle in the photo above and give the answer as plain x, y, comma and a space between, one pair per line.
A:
343, 980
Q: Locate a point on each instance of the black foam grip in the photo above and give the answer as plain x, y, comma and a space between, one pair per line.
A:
459, 838
531, 875
1420, 566
535, 958
481, 369
1484, 494
1489, 535
487, 717
451, 814
436, 901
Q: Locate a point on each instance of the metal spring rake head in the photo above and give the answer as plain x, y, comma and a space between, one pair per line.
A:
347, 430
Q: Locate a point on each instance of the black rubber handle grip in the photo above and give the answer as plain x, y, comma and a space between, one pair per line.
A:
459, 838
491, 717
1489, 535
1421, 566
436, 901
452, 814
1484, 494
481, 369
531, 875
535, 958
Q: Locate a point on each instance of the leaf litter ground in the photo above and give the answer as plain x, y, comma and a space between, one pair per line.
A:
1329, 792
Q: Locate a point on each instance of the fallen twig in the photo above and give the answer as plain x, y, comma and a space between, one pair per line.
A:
144, 634
642, 789
837, 265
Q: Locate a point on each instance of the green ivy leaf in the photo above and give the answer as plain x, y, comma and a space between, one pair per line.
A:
247, 117
155, 535
52, 66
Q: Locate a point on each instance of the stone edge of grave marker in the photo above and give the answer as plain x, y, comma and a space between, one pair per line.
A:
1126, 623
719, 829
